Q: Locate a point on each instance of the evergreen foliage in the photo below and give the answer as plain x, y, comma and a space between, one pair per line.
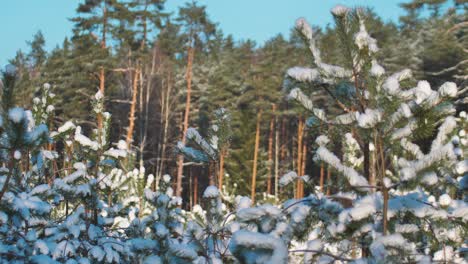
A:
372, 156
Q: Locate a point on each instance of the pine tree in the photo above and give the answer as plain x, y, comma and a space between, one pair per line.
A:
197, 29
383, 111
37, 56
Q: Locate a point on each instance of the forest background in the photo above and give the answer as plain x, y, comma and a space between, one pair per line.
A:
147, 62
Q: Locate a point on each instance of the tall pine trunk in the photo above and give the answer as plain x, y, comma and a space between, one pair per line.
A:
222, 153
304, 159
380, 148
270, 149
143, 94
165, 124
283, 139
255, 161
299, 156
276, 157
131, 116
180, 158
102, 75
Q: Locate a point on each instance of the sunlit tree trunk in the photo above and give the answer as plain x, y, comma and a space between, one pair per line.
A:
165, 123
277, 152
303, 169
221, 168
270, 149
143, 92
299, 156
145, 81
102, 76
180, 158
255, 161
131, 117
380, 148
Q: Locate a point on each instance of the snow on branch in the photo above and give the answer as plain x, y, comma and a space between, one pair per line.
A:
446, 128
246, 245
192, 134
353, 177
327, 70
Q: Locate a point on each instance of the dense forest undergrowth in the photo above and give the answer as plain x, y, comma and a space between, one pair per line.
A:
336, 145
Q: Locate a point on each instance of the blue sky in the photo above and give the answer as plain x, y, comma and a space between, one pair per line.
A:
254, 19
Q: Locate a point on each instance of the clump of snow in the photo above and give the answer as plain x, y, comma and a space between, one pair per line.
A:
263, 248
445, 200
430, 178
406, 228
461, 167
31, 121
84, 140
365, 207
122, 145
211, 192
304, 27
422, 91
392, 83
17, 155
16, 115
166, 178
66, 127
447, 254
448, 89
322, 140
303, 74
340, 10
377, 70
381, 245
3, 217
182, 251
116, 153
287, 178
99, 95
369, 118
243, 202
50, 109
364, 40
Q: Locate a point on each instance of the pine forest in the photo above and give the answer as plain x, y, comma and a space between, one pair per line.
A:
150, 136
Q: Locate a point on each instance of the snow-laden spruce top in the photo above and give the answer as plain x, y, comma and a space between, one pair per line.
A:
17, 115
378, 124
